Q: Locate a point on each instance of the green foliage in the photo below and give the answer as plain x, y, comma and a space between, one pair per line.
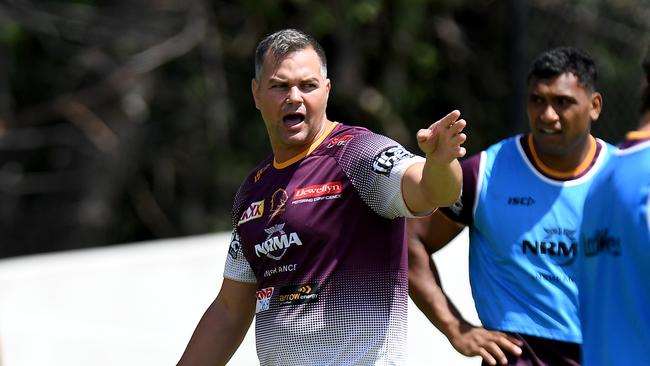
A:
137, 118
11, 33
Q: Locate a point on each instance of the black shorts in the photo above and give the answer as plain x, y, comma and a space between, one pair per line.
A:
537, 351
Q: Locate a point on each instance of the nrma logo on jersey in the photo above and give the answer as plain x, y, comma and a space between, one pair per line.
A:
300, 294
277, 242
602, 242
263, 299
559, 244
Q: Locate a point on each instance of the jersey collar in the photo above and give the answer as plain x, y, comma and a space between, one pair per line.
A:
563, 175
307, 151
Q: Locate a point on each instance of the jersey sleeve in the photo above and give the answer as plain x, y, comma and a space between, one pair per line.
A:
376, 164
462, 211
237, 267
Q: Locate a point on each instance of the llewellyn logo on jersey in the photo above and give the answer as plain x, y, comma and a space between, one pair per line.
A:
276, 243
300, 294
384, 162
317, 192
254, 211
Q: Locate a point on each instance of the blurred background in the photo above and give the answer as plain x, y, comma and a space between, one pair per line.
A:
124, 121
131, 123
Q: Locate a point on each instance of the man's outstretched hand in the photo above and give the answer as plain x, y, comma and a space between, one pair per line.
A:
441, 142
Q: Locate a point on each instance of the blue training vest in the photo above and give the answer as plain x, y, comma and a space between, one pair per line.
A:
524, 244
614, 263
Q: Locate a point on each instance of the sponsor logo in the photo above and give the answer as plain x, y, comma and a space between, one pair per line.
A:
318, 190
259, 173
521, 201
457, 207
278, 203
602, 242
559, 244
555, 278
300, 294
384, 162
339, 141
280, 269
276, 243
254, 211
263, 297
235, 245
329, 190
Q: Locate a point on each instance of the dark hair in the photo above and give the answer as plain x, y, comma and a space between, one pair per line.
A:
645, 99
284, 42
558, 61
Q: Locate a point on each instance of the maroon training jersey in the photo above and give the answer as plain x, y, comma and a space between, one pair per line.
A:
323, 238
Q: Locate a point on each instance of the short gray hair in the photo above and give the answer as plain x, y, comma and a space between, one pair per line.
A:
285, 41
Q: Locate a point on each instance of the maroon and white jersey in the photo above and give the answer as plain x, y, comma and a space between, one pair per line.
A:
323, 238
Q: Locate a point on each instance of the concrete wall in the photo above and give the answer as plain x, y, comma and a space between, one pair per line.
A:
138, 304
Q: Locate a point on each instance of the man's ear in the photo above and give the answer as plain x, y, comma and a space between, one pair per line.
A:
328, 87
254, 90
596, 105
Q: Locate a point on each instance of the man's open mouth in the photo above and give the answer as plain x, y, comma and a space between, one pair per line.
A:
550, 131
293, 119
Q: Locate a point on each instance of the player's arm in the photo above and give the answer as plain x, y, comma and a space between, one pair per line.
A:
223, 326
436, 182
425, 236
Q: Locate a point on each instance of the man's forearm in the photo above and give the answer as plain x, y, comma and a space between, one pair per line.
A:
427, 293
442, 182
216, 337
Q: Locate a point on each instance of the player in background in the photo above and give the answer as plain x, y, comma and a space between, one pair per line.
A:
522, 201
614, 262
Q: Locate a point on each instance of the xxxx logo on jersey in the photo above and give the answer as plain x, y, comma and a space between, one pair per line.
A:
254, 211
